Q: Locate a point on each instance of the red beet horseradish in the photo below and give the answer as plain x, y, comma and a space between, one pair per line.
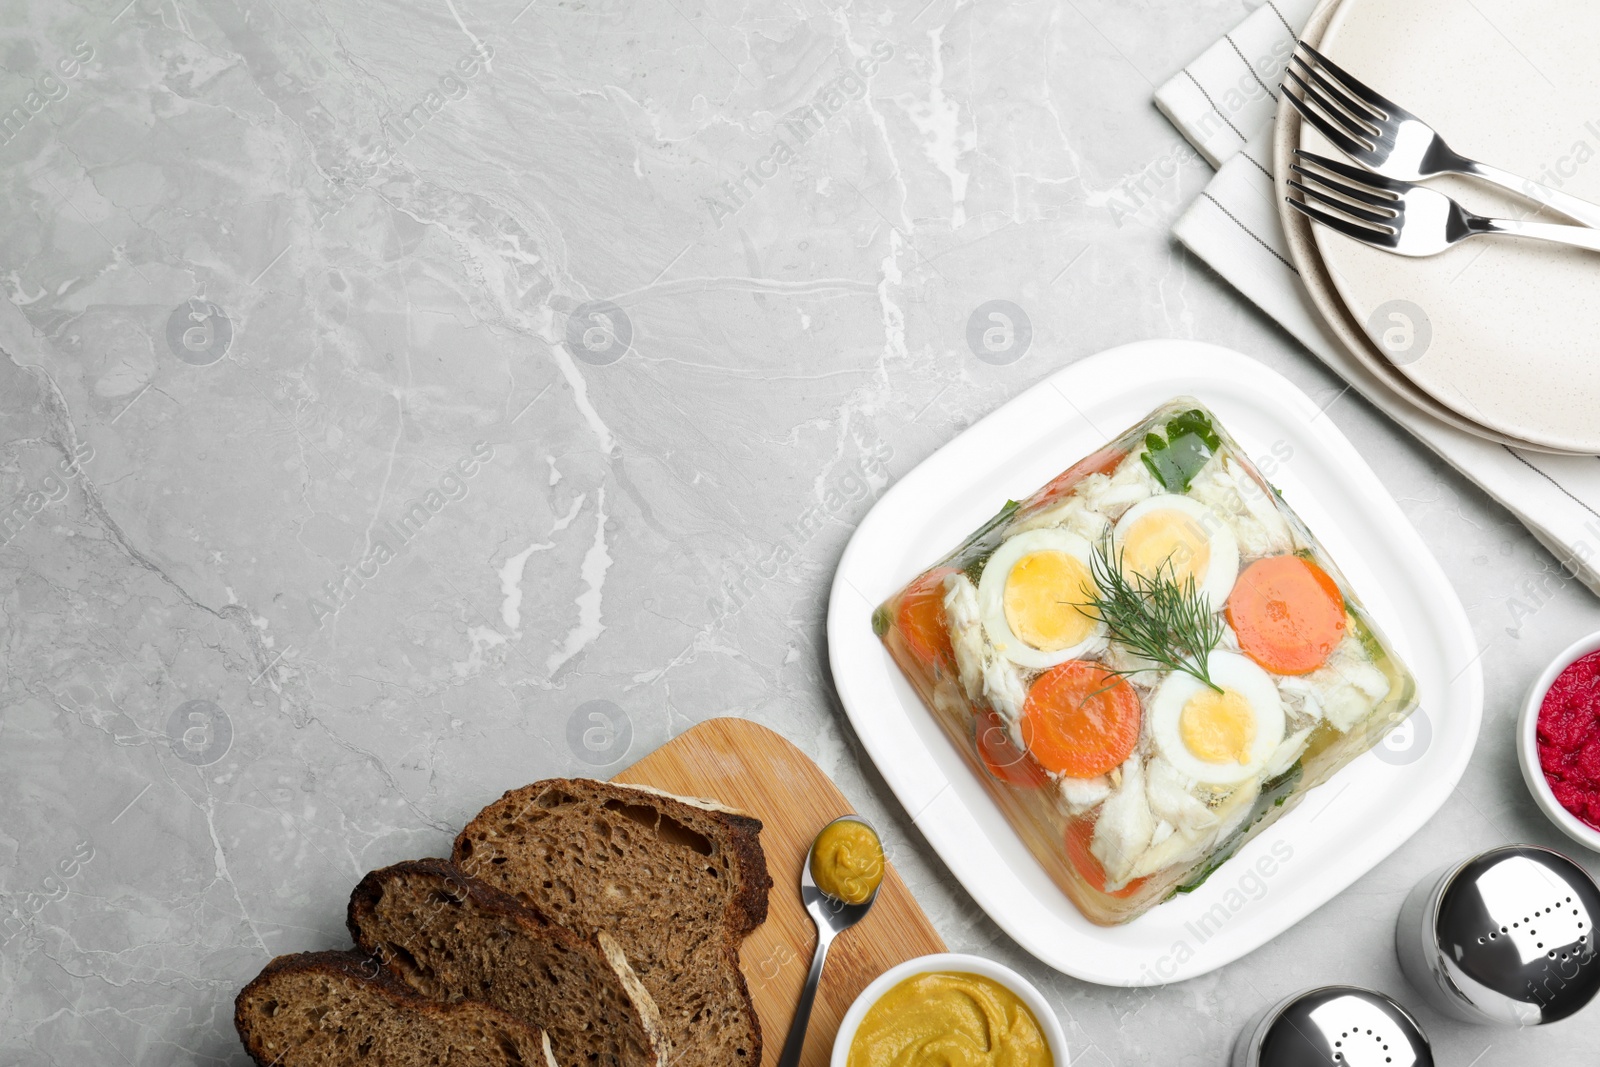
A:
1569, 738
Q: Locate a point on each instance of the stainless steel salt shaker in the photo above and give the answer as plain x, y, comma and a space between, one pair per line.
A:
1505, 938
1334, 1026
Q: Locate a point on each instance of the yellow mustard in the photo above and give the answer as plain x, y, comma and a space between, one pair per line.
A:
949, 1020
847, 861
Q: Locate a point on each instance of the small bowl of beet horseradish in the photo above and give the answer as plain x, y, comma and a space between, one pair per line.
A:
1558, 741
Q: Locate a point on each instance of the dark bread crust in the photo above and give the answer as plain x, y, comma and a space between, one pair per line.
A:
366, 972
751, 903
733, 834
637, 1013
349, 964
365, 896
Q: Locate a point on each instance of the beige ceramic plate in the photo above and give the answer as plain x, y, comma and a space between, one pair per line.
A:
1503, 332
1287, 136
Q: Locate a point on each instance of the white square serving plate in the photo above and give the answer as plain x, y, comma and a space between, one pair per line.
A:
1340, 831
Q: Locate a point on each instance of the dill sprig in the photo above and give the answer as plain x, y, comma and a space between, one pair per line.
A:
1159, 618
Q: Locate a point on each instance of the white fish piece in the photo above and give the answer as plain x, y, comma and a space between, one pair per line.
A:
1250, 511
986, 676
1232, 813
1346, 705
966, 632
1369, 679
1178, 848
1184, 849
1070, 514
1213, 486
1285, 754
1263, 508
1348, 686
1130, 483
1082, 794
1300, 697
1118, 498
1295, 689
1171, 796
1133, 472
1125, 826
1088, 510
1002, 685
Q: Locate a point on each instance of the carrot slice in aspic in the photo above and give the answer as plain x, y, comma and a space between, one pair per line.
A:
1001, 757
920, 618
1080, 719
1288, 613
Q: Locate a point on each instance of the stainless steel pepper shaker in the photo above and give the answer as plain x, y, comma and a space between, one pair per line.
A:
1334, 1026
1506, 938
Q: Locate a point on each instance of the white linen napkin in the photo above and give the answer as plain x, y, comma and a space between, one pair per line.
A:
1234, 227
1229, 93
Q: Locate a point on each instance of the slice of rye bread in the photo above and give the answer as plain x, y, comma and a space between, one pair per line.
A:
677, 881
451, 937
341, 1009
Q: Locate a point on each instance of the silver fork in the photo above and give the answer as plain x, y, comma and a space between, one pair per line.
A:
1386, 138
1407, 219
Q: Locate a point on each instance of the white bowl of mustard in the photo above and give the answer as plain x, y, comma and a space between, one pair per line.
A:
917, 1013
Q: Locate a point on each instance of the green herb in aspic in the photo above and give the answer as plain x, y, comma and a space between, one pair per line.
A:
1188, 446
1158, 617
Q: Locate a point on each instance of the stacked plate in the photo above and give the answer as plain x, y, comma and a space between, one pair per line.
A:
1497, 336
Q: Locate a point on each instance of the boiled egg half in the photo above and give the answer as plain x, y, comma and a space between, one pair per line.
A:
1030, 595
1218, 738
1184, 538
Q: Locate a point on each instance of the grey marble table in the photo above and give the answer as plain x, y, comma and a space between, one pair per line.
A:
404, 401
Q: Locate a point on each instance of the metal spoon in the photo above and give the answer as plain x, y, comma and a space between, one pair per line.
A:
833, 917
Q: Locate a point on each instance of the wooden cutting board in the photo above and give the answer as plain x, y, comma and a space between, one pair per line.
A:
745, 765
